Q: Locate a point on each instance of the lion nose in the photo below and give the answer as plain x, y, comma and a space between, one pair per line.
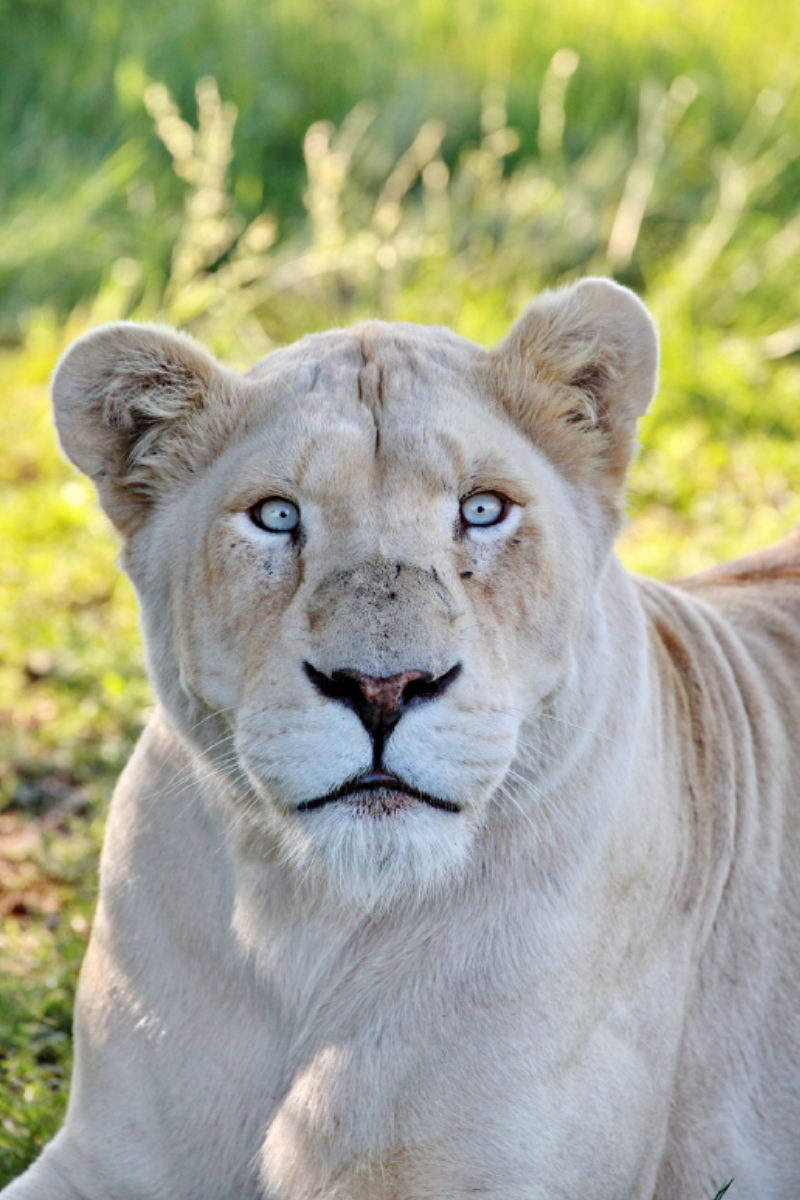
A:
380, 701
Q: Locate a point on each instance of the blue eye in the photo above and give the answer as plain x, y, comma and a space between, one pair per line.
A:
484, 508
275, 515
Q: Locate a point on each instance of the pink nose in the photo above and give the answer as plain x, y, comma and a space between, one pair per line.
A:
380, 700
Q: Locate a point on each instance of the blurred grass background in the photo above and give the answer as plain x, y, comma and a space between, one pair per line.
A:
251, 171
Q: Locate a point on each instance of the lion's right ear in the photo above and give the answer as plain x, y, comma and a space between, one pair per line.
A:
138, 408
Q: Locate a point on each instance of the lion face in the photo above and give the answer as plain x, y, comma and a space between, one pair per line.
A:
365, 566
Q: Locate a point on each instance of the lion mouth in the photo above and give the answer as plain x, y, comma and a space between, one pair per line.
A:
378, 793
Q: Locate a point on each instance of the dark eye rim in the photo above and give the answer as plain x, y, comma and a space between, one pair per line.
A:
252, 513
507, 505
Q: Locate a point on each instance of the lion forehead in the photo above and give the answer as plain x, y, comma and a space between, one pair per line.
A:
363, 362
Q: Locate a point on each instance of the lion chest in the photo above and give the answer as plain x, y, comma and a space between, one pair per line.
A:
498, 1101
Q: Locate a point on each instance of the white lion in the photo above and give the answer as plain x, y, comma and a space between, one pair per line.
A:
456, 862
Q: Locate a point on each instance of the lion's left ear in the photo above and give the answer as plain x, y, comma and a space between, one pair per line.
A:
576, 372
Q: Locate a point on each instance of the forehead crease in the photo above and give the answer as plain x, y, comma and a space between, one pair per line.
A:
306, 397
404, 362
319, 377
336, 388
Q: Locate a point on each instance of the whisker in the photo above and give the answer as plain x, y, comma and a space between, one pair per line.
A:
583, 728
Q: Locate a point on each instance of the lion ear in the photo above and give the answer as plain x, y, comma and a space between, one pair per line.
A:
576, 371
136, 409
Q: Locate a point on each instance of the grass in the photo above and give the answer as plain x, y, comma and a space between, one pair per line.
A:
657, 148
85, 184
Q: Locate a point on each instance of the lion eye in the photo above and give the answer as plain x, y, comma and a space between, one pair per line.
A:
484, 508
276, 515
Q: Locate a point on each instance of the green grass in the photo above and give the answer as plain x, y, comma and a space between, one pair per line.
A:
85, 184
478, 169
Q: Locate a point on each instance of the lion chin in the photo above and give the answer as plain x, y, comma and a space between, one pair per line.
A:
455, 860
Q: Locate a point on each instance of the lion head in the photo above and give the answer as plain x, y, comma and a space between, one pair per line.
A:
365, 566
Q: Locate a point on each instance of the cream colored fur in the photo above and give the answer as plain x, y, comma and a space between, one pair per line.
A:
585, 982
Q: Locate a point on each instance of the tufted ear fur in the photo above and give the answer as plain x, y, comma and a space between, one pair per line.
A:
139, 408
576, 371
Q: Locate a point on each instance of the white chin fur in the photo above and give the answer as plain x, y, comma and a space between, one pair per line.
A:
376, 860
